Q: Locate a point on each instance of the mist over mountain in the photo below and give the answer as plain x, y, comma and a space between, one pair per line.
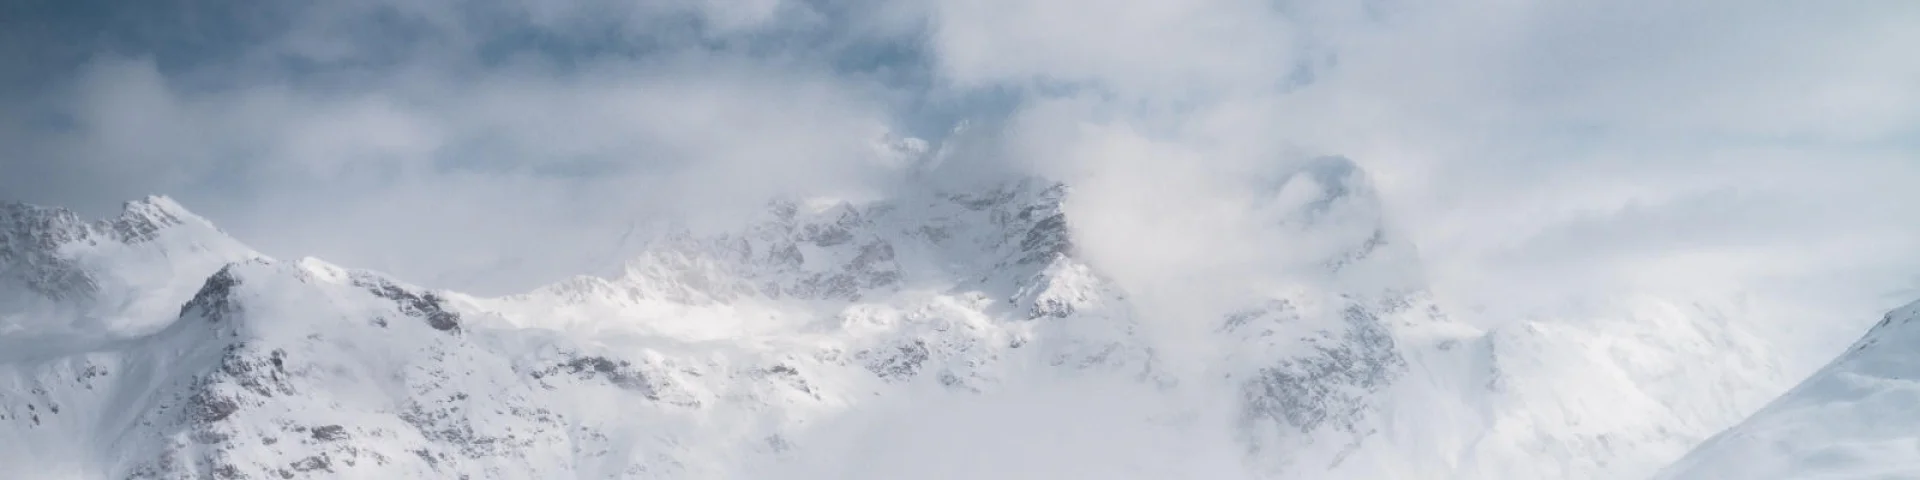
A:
956, 238
934, 333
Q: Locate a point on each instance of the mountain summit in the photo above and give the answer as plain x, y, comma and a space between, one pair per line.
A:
65, 281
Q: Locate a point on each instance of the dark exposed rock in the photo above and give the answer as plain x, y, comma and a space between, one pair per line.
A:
1044, 232
620, 373
869, 264
309, 464
420, 305
778, 443
228, 471
206, 436
245, 367
787, 255
1328, 389
951, 380
36, 228
827, 235
789, 375
899, 363
842, 286
215, 299
209, 407
1047, 237
32, 258
31, 238
428, 457
141, 222
450, 429
330, 433
836, 233
1050, 307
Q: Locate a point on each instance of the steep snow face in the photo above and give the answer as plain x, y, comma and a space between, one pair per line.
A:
65, 282
1853, 419
1616, 389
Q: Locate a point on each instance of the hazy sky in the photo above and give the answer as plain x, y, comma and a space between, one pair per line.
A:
1532, 149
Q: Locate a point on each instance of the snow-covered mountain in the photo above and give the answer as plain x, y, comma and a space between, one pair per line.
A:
69, 284
1854, 419
937, 333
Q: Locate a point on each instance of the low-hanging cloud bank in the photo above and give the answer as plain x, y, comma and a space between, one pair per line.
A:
1564, 147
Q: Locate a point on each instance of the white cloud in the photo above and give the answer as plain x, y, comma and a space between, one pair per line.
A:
1504, 128
442, 178
1577, 146
1133, 47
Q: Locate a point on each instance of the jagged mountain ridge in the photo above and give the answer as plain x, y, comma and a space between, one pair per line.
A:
757, 353
67, 281
252, 344
40, 244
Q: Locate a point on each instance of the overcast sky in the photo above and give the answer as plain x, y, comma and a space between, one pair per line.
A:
1532, 149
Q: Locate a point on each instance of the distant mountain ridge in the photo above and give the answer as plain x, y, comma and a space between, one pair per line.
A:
152, 345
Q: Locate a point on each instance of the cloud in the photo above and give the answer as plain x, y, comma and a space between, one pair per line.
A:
1508, 134
494, 177
1537, 153
1132, 47
1568, 147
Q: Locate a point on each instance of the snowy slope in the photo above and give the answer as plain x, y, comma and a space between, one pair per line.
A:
937, 333
1618, 388
68, 282
1854, 419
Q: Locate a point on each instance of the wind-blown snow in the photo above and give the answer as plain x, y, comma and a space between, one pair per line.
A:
938, 333
69, 284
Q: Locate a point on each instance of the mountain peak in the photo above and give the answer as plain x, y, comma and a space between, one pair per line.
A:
1331, 212
141, 219
155, 205
128, 269
1320, 186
